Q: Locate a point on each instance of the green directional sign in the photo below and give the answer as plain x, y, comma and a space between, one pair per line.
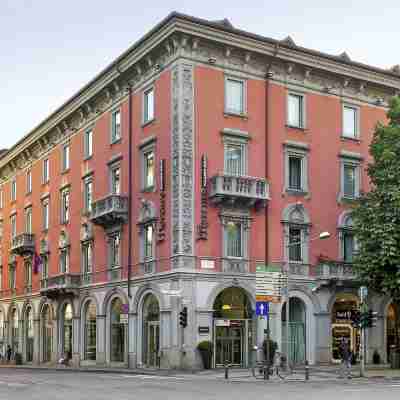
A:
268, 268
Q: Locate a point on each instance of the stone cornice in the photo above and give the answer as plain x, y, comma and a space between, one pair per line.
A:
203, 42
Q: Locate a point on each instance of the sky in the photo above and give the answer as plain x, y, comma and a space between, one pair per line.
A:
49, 49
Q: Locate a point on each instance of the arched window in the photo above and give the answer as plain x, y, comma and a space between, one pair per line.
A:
29, 335
117, 332
14, 330
47, 332
2, 349
68, 331
347, 240
151, 333
90, 331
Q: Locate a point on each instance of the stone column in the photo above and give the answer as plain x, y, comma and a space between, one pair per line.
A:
323, 337
36, 341
101, 340
132, 324
76, 356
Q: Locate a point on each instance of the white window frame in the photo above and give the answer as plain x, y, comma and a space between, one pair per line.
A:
298, 150
145, 149
65, 157
88, 143
112, 168
29, 181
356, 108
243, 111
65, 193
13, 190
239, 139
46, 171
64, 260
112, 237
45, 213
87, 262
146, 119
302, 113
87, 181
28, 219
353, 160
113, 137
13, 225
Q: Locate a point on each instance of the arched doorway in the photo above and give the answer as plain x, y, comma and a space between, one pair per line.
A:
90, 331
29, 335
392, 329
151, 331
118, 332
233, 327
345, 304
47, 334
67, 318
2, 338
14, 331
296, 346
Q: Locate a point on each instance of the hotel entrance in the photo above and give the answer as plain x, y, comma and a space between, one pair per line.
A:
233, 328
342, 325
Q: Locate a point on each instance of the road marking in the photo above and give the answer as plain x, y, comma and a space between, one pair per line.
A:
156, 377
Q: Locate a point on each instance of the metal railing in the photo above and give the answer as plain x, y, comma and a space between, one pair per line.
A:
114, 207
25, 242
335, 270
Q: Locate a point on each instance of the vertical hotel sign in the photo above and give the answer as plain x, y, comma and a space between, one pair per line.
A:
269, 282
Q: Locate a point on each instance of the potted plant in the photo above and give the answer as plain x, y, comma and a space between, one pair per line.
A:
205, 349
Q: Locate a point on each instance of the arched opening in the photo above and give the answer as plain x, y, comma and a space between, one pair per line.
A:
345, 304
14, 331
296, 345
47, 333
233, 327
151, 331
2, 336
392, 329
29, 335
67, 331
118, 332
90, 331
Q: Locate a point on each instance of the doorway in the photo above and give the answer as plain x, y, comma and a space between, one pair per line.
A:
151, 316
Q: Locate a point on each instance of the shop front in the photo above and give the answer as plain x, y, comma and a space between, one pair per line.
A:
342, 328
233, 328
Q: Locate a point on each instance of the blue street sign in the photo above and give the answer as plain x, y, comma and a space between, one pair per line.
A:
262, 308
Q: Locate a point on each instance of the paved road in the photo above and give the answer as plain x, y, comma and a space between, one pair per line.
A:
59, 385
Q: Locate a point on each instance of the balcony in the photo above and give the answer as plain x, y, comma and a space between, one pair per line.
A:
240, 191
335, 271
110, 211
299, 270
235, 265
60, 285
23, 244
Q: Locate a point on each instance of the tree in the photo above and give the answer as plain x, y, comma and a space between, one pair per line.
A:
376, 216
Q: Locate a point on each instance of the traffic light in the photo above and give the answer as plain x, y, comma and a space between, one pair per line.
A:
355, 318
183, 317
364, 318
372, 318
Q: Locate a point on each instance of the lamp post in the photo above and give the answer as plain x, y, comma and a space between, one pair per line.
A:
321, 236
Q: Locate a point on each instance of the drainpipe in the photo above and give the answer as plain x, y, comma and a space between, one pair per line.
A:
129, 190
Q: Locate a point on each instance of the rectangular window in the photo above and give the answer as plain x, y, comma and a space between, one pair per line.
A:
87, 257
65, 157
45, 266
12, 276
349, 181
234, 96
45, 214
1, 288
28, 276
350, 119
14, 190
295, 172
65, 211
1, 229
13, 222
234, 159
234, 239
1, 198
148, 242
148, 108
29, 182
348, 247
28, 220
115, 251
88, 143
115, 126
149, 172
46, 170
115, 180
295, 245
295, 110
64, 261
88, 194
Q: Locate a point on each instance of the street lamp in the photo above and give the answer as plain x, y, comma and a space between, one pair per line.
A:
321, 236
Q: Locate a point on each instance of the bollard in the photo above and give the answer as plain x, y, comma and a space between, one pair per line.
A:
266, 371
307, 371
226, 369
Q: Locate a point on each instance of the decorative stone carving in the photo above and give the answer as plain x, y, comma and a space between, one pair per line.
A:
86, 232
202, 228
44, 246
64, 240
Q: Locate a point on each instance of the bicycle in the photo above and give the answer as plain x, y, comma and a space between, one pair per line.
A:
278, 368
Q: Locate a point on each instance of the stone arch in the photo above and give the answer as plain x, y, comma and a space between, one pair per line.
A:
111, 294
43, 303
142, 293
83, 302
25, 307
11, 307
147, 212
335, 294
61, 306
296, 214
249, 290
345, 219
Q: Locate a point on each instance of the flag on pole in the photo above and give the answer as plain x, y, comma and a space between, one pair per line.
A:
37, 263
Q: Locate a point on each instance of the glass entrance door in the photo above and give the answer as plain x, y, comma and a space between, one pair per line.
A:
153, 343
230, 343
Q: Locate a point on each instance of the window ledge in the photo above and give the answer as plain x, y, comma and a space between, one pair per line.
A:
65, 171
299, 128
116, 141
345, 138
242, 115
348, 200
295, 192
149, 122
87, 157
150, 189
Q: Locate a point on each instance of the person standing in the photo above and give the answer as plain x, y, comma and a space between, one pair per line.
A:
345, 353
9, 351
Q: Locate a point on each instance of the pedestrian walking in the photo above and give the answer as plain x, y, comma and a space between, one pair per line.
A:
9, 352
345, 353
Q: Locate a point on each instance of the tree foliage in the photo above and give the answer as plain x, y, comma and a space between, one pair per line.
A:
376, 216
